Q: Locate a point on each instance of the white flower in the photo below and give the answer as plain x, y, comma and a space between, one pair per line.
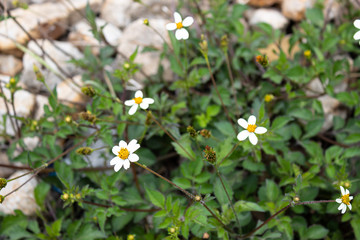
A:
357, 25
124, 154
344, 200
251, 129
181, 32
138, 100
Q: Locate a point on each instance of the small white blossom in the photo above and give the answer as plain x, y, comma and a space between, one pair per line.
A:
251, 129
124, 154
357, 25
344, 200
181, 32
138, 101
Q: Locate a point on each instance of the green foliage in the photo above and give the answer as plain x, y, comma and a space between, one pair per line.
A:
311, 146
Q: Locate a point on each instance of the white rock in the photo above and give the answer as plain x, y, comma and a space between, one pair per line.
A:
62, 52
24, 103
295, 9
138, 35
331, 108
333, 8
5, 172
23, 199
152, 9
41, 101
270, 16
117, 12
69, 93
82, 36
10, 65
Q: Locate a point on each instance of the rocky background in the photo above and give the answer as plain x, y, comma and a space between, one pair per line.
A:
57, 31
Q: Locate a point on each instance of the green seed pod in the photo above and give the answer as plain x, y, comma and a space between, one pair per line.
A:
3, 183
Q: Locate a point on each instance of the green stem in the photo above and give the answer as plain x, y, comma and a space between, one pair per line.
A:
188, 194
227, 155
231, 80
283, 209
228, 197
217, 92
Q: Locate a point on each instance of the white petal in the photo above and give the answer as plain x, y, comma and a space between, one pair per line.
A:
116, 150
343, 210
126, 164
138, 94
342, 191
177, 17
133, 158
144, 105
351, 198
129, 102
133, 109
114, 161
243, 135
188, 21
243, 123
357, 35
338, 200
342, 205
171, 26
347, 191
148, 100
260, 130
178, 35
357, 23
349, 206
253, 138
184, 33
133, 146
252, 120
122, 144
119, 165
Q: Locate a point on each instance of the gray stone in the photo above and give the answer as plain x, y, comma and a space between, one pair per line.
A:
117, 12
61, 52
23, 199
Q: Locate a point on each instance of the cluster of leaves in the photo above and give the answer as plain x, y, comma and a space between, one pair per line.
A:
294, 160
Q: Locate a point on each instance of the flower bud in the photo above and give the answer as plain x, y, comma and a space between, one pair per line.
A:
205, 133
268, 97
65, 196
38, 74
126, 66
262, 60
78, 196
131, 237
84, 151
224, 42
68, 119
210, 155
2, 198
148, 120
197, 198
296, 199
191, 131
307, 54
88, 91
203, 46
146, 22
87, 116
3, 183
206, 236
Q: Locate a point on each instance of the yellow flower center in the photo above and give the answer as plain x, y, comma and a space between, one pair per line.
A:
179, 25
123, 153
269, 97
138, 100
345, 199
251, 127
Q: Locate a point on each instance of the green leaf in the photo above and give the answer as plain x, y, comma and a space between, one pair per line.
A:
220, 193
355, 223
273, 75
40, 192
272, 190
212, 110
316, 232
156, 197
185, 142
280, 122
352, 138
313, 127
89, 232
244, 206
301, 113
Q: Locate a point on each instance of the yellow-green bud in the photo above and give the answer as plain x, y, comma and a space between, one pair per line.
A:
3, 183
127, 66
296, 199
146, 22
347, 184
12, 81
203, 46
172, 230
78, 196
65, 196
88, 91
192, 132
148, 120
307, 54
84, 151
38, 74
224, 42
68, 119
268, 97
262, 60
197, 198
131, 237
2, 198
